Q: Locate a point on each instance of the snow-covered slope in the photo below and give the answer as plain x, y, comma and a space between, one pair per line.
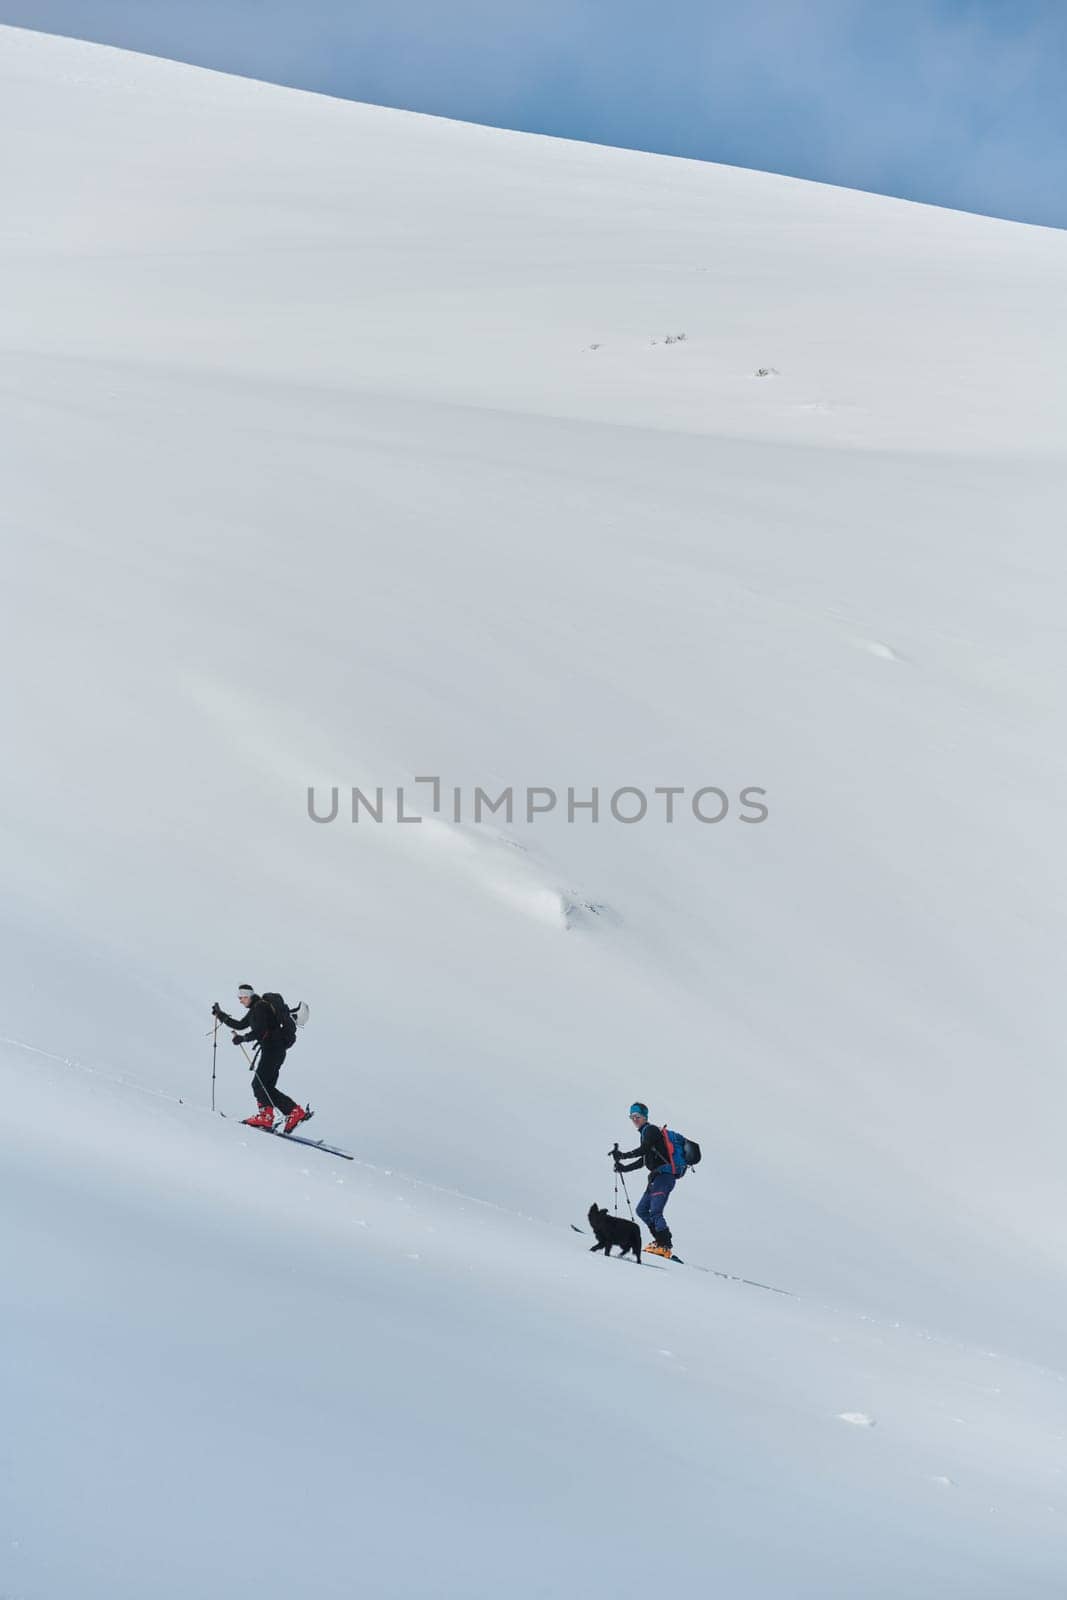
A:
342, 446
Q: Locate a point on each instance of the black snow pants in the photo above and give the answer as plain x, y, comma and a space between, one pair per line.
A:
265, 1083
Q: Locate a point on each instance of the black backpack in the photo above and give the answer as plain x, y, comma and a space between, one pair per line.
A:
283, 1017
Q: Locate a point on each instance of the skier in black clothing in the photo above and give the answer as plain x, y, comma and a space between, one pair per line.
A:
651, 1153
264, 1029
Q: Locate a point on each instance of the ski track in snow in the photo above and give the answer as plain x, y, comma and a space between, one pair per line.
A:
409, 1180
422, 1227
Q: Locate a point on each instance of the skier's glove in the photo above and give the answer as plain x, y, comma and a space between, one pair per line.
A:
216, 1010
237, 1039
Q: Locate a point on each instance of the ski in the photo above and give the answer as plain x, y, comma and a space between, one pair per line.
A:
296, 1138
728, 1277
312, 1144
733, 1277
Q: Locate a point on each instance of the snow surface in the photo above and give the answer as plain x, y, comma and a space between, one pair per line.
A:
313, 475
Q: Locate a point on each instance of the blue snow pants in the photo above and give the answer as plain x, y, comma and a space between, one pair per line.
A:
650, 1206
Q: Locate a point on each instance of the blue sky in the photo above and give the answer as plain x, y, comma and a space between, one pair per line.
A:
956, 102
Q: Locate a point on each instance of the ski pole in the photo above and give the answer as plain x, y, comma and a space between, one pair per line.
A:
214, 1055
614, 1154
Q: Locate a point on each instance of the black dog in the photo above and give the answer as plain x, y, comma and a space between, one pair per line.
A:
611, 1231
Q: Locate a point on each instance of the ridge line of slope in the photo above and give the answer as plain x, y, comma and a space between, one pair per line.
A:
319, 100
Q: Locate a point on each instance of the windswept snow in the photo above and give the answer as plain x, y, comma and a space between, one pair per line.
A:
342, 447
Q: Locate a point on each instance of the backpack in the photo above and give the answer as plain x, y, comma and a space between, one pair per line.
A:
682, 1153
286, 1018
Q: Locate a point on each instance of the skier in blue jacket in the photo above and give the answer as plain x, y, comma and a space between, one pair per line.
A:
651, 1153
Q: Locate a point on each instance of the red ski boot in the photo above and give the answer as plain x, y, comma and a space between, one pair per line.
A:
296, 1116
263, 1119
